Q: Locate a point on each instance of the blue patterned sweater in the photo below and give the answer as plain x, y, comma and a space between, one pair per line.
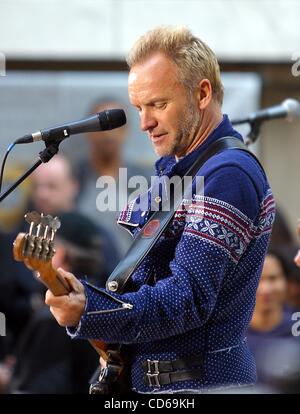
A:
206, 269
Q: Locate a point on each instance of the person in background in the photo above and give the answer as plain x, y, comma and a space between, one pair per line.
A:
54, 186
272, 319
48, 362
54, 189
105, 159
281, 237
6, 290
293, 279
282, 240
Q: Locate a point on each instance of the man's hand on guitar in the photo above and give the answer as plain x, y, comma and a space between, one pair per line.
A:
67, 309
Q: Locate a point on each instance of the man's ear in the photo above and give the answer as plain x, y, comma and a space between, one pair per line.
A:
204, 94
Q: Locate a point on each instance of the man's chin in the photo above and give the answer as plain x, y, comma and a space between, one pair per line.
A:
162, 151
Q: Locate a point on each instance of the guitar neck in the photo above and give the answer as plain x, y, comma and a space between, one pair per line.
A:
59, 287
52, 280
46, 274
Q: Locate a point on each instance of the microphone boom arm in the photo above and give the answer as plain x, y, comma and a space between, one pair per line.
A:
44, 156
255, 126
254, 132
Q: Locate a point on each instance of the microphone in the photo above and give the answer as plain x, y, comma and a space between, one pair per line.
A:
289, 109
102, 121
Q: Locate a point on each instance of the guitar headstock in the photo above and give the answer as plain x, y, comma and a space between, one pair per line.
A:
36, 249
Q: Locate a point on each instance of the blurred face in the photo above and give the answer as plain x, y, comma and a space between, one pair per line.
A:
271, 292
53, 188
107, 143
167, 113
294, 292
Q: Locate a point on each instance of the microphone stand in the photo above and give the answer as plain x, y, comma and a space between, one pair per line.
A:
254, 131
44, 156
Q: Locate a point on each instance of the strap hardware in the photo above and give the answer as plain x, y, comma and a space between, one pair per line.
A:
153, 373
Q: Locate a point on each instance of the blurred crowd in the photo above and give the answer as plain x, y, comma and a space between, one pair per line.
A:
273, 334
36, 355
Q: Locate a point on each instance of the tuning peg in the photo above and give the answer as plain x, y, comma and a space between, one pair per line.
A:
33, 218
54, 225
46, 222
39, 227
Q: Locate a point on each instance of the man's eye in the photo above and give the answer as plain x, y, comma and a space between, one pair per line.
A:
161, 105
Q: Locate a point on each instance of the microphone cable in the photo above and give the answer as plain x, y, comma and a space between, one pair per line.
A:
10, 147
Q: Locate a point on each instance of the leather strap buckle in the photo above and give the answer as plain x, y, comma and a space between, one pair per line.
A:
153, 373
153, 380
160, 373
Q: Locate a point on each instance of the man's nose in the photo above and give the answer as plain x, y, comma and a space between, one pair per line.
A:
148, 121
264, 288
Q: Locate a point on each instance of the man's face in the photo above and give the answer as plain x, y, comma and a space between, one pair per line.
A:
167, 113
53, 188
272, 287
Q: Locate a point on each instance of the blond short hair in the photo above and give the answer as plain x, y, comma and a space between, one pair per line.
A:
193, 58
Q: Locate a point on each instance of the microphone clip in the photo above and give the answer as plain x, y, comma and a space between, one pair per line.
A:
51, 149
254, 132
57, 134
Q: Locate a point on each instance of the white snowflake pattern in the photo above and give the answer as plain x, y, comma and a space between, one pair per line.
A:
227, 235
194, 222
241, 248
209, 227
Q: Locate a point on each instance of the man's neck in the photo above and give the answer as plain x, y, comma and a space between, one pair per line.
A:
210, 120
266, 320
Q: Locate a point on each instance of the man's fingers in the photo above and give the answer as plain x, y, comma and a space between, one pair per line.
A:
67, 309
103, 363
59, 315
55, 301
70, 279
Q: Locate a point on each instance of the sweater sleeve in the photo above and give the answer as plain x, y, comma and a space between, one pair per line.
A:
218, 228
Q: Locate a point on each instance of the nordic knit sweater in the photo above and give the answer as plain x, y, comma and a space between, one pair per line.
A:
205, 270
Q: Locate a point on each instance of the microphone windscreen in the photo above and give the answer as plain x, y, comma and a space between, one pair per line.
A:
112, 118
293, 108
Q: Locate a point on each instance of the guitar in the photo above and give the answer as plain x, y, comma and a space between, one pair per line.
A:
36, 250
